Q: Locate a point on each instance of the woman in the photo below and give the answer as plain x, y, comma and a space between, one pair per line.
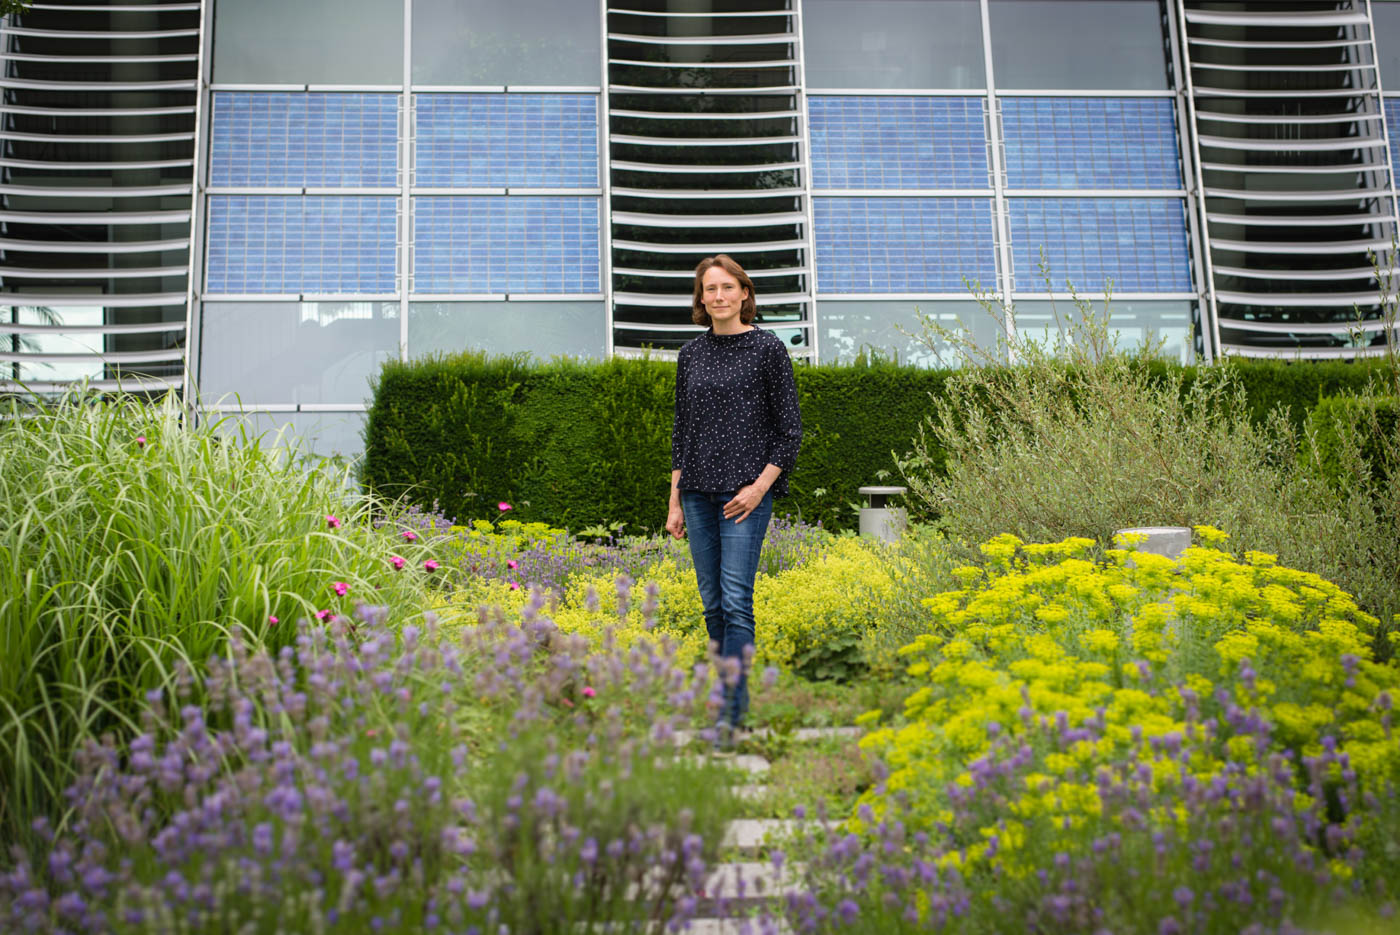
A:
734, 441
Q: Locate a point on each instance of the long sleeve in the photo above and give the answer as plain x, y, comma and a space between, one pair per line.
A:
678, 425
784, 415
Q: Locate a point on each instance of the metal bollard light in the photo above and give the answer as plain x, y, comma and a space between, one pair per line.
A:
883, 522
1170, 541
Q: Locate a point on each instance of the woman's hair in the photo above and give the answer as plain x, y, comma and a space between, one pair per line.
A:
747, 310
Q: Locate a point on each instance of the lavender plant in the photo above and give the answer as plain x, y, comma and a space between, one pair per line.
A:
534, 555
374, 778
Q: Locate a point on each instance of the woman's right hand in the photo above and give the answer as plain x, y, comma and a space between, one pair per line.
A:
675, 521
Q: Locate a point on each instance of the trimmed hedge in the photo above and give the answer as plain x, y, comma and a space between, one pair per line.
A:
580, 443
1301, 385
1373, 419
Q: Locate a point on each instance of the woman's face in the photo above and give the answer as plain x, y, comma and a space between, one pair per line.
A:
722, 296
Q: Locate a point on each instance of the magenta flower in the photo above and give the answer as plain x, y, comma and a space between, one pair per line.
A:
515, 585
409, 535
430, 565
397, 561
512, 564
323, 615
503, 506
140, 441
272, 621
340, 587
588, 691
332, 522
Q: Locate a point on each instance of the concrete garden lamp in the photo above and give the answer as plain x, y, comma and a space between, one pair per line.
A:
880, 521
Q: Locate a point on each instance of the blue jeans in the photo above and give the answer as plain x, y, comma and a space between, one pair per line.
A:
726, 561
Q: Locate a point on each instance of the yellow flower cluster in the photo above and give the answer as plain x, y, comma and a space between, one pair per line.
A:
1139, 643
798, 611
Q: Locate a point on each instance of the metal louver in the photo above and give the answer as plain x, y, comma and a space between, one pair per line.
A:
97, 129
1293, 164
707, 154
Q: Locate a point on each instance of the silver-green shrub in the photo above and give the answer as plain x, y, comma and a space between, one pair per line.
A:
1081, 439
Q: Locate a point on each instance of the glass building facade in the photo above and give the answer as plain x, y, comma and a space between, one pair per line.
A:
259, 202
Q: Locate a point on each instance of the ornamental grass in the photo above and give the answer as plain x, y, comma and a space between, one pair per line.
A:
131, 543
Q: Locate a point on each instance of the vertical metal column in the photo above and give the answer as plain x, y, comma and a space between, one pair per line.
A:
406, 180
194, 302
1006, 279
1385, 125
605, 179
813, 312
1191, 177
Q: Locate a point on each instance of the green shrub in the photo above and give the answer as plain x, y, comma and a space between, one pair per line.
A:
576, 444
579, 444
130, 543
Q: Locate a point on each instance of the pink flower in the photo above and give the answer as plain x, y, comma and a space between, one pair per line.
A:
409, 535
588, 691
515, 585
340, 587
430, 565
503, 506
332, 522
272, 621
512, 564
140, 441
323, 615
397, 561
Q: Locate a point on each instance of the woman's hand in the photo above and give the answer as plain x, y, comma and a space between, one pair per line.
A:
746, 500
675, 521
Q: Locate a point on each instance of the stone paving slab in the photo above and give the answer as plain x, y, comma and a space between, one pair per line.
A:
748, 834
735, 927
750, 880
704, 925
805, 734
748, 763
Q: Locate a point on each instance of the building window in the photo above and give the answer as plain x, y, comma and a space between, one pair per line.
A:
1078, 44
506, 42
295, 244
903, 244
327, 434
1386, 19
271, 140
308, 41
1138, 243
1134, 325
295, 352
893, 44
481, 244
506, 140
898, 142
850, 328
1090, 142
544, 329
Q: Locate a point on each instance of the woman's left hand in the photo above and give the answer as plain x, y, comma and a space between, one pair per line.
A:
746, 500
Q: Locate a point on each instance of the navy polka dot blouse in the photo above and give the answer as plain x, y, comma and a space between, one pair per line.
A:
736, 411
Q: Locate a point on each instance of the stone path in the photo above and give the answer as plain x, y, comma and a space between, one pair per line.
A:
740, 888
